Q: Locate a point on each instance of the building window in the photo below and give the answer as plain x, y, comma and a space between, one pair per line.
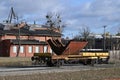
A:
50, 50
30, 49
37, 50
21, 49
45, 49
14, 49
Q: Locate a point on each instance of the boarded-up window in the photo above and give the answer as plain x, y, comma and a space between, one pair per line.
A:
30, 49
50, 50
14, 49
45, 49
37, 50
21, 49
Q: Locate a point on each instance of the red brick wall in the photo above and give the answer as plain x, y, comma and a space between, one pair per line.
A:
26, 51
6, 49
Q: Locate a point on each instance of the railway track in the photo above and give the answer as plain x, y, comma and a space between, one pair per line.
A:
39, 69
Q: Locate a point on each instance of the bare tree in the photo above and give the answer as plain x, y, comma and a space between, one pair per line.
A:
84, 32
54, 22
119, 29
18, 36
118, 33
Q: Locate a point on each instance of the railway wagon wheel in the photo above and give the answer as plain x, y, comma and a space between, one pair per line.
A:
89, 62
102, 60
35, 60
56, 63
59, 63
49, 63
93, 62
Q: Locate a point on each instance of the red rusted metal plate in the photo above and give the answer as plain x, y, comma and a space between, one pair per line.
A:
72, 48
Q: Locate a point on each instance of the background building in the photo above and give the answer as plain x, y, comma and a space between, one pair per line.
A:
31, 38
111, 42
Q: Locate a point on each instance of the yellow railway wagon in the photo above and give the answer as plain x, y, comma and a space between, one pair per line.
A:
95, 53
102, 55
86, 57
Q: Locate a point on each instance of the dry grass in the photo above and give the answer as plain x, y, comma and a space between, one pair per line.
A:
14, 61
26, 61
106, 74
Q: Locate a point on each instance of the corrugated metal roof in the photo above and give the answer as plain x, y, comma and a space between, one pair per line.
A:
25, 31
45, 33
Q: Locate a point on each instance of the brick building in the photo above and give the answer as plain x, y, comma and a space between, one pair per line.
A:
31, 38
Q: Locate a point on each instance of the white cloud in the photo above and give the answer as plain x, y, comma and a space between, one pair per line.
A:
97, 14
94, 13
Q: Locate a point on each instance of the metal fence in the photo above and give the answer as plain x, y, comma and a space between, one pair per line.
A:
115, 54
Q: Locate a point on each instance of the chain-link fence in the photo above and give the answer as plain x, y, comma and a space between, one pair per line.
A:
115, 54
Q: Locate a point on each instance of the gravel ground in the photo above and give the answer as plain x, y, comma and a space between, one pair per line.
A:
21, 69
11, 71
63, 73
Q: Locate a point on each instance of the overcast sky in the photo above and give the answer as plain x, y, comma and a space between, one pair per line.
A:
75, 13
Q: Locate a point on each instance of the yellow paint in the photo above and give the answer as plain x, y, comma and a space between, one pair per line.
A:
98, 54
42, 54
88, 54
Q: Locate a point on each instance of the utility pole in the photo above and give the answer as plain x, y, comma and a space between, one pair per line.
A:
104, 38
18, 38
